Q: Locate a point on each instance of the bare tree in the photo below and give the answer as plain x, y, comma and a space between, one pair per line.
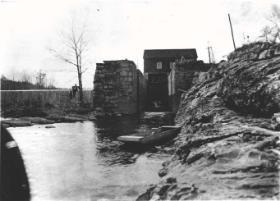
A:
25, 77
266, 31
75, 45
271, 33
41, 79
51, 83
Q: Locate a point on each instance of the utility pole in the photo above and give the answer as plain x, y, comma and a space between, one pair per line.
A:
232, 36
209, 56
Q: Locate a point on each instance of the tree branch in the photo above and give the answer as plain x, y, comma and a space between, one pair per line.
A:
56, 54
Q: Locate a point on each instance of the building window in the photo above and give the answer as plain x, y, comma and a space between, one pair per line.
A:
159, 65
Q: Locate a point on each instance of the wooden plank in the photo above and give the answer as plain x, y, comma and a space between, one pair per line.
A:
130, 138
171, 127
182, 90
161, 136
164, 128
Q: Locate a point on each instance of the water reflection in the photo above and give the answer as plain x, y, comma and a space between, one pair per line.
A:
113, 127
112, 152
83, 161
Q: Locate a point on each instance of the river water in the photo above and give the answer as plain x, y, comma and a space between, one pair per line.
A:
83, 161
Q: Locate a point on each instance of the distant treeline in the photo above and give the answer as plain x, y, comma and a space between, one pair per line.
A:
7, 84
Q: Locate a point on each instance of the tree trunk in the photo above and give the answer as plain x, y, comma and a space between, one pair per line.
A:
80, 88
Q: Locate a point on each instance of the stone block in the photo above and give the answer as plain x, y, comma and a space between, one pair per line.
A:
116, 83
123, 73
124, 64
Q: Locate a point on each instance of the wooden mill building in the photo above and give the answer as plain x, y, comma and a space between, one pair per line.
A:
158, 64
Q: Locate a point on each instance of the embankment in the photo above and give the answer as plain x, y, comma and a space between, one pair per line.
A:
40, 102
228, 147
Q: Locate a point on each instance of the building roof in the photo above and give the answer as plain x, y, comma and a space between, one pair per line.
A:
116, 61
119, 61
170, 53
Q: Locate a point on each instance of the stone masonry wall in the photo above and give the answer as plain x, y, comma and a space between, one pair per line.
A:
142, 93
181, 78
116, 88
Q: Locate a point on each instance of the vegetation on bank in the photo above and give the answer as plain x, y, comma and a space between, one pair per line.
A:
7, 84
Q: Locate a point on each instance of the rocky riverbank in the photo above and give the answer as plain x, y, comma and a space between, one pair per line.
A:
48, 119
229, 145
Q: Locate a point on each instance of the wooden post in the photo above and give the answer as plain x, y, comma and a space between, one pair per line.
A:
138, 92
231, 32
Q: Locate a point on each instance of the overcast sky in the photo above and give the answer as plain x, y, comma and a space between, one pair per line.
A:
120, 29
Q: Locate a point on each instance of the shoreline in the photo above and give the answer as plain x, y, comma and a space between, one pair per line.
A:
50, 119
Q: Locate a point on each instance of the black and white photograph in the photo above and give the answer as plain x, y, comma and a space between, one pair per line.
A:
140, 100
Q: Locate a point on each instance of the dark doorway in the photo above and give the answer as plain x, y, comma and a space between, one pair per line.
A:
157, 92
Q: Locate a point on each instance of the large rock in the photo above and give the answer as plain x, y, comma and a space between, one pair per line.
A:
252, 85
15, 123
38, 120
67, 118
229, 144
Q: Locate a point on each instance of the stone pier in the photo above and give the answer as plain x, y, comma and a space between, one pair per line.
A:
119, 88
